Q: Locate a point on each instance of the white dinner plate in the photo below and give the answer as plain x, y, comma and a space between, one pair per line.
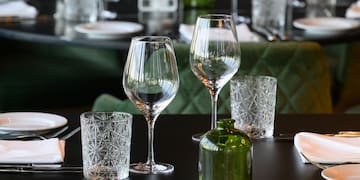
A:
344, 172
326, 25
109, 29
30, 121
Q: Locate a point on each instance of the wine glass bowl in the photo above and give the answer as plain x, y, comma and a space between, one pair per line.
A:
151, 81
214, 55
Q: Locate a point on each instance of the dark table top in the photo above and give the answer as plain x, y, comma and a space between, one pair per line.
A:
46, 29
274, 158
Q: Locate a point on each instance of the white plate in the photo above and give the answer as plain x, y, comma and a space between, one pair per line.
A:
344, 172
30, 121
109, 29
326, 25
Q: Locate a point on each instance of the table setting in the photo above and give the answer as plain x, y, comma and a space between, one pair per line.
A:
336, 154
17, 9
321, 20
34, 142
267, 151
151, 81
244, 33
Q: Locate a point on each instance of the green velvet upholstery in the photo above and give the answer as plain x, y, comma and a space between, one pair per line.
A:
353, 110
348, 88
35, 76
301, 69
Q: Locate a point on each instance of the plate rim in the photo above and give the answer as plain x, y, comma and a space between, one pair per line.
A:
58, 119
298, 24
80, 28
335, 167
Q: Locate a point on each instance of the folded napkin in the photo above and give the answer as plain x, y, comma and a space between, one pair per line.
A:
353, 11
243, 33
37, 151
328, 149
17, 9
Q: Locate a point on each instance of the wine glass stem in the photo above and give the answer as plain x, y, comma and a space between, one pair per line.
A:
214, 98
150, 157
234, 9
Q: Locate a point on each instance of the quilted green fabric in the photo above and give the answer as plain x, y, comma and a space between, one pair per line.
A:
35, 76
301, 69
349, 93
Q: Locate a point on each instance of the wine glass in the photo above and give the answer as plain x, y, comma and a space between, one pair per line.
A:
214, 55
151, 81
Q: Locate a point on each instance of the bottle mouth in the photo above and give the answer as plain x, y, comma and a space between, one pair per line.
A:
224, 123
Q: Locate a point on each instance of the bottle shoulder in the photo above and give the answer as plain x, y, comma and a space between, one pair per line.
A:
225, 139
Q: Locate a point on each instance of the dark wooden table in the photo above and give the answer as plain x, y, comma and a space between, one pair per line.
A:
46, 29
274, 158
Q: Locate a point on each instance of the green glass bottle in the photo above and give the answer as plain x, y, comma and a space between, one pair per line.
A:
225, 153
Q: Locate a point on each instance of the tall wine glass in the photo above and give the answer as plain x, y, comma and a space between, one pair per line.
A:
151, 81
214, 55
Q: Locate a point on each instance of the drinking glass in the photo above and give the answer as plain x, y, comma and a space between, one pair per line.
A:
106, 140
253, 101
214, 55
151, 81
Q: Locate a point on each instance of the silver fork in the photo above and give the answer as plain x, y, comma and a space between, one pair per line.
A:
43, 137
17, 135
322, 165
71, 133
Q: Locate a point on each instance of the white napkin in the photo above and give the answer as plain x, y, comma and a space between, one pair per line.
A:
37, 151
353, 11
243, 33
328, 149
17, 9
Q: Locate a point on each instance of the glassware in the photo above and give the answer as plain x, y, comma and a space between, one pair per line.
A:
151, 81
225, 153
320, 8
157, 5
106, 139
106, 13
214, 55
234, 12
253, 100
80, 10
270, 17
298, 4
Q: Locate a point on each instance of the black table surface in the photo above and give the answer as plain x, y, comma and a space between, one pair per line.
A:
46, 29
273, 158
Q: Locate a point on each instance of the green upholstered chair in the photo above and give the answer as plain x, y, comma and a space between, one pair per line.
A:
36, 76
347, 83
301, 69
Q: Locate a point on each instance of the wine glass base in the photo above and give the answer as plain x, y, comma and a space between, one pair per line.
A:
298, 4
196, 137
108, 15
158, 168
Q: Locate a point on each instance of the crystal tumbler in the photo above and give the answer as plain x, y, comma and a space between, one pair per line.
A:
80, 10
269, 15
106, 138
253, 100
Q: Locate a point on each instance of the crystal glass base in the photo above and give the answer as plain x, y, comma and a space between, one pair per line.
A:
158, 168
196, 137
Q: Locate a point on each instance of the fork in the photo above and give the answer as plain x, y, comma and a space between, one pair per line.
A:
322, 165
43, 137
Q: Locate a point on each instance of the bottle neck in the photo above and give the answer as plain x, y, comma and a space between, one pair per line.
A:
225, 124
